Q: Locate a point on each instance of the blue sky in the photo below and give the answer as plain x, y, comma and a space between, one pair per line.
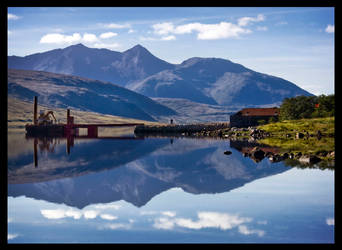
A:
296, 43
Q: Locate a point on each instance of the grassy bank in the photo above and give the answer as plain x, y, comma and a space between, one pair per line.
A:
283, 135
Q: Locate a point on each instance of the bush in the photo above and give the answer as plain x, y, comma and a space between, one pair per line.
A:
307, 107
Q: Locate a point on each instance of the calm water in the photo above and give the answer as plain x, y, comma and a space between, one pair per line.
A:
161, 190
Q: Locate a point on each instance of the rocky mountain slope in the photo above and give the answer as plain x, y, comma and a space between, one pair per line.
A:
213, 81
217, 81
56, 90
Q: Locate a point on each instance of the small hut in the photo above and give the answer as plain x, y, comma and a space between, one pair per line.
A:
252, 116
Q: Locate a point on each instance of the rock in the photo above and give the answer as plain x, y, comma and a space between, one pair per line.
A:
227, 152
285, 155
309, 159
275, 158
257, 153
299, 154
299, 135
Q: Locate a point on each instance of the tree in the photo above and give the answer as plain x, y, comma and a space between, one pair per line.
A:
307, 107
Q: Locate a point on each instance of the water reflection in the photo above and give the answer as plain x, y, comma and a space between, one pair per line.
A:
161, 190
147, 167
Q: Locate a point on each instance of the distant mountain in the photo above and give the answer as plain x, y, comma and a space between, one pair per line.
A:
100, 64
65, 91
217, 81
193, 112
212, 81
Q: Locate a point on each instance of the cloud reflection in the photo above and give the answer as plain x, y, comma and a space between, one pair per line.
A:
11, 236
223, 221
55, 214
330, 221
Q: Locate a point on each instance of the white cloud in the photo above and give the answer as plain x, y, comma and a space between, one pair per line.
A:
163, 28
60, 38
330, 221
108, 217
60, 213
11, 236
169, 213
131, 31
91, 38
224, 221
114, 226
108, 35
204, 31
12, 17
116, 26
90, 214
164, 223
244, 21
168, 38
330, 28
243, 229
107, 206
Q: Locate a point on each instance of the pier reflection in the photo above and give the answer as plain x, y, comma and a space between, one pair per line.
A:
48, 143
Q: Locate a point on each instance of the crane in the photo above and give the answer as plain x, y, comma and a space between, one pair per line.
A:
44, 119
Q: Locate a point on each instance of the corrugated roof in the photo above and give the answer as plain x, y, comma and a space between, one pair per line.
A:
259, 111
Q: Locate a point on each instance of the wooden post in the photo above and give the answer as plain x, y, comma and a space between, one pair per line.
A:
35, 152
68, 116
35, 110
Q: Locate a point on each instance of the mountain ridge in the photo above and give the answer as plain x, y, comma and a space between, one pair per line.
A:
212, 81
57, 90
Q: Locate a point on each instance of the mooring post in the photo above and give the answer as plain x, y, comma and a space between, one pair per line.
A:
68, 116
35, 153
35, 111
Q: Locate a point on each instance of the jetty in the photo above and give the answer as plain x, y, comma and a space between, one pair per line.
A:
44, 125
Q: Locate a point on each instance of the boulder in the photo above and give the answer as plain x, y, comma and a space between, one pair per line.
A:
257, 153
309, 159
299, 135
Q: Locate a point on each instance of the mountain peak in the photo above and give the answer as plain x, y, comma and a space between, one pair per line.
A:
77, 46
137, 48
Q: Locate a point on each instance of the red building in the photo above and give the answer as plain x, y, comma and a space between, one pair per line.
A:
251, 116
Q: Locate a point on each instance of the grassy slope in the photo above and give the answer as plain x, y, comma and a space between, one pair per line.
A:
21, 112
309, 145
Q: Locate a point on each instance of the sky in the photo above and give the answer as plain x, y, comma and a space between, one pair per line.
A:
294, 43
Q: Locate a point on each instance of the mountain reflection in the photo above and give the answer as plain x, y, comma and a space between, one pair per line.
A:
147, 167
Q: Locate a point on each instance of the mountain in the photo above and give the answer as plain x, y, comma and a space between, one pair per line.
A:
100, 64
217, 81
194, 112
212, 81
64, 91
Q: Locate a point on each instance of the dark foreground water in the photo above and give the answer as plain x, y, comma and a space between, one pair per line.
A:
170, 190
